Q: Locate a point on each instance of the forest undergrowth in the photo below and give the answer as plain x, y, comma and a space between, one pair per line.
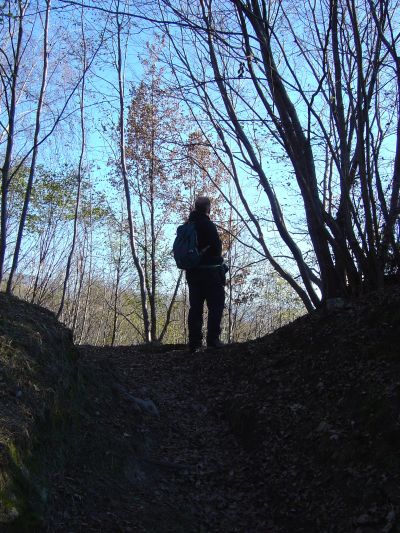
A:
296, 431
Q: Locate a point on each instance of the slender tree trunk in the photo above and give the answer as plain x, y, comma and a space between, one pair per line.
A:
5, 171
153, 304
35, 150
79, 175
170, 308
299, 151
139, 269
389, 230
81, 271
230, 285
116, 292
42, 254
89, 286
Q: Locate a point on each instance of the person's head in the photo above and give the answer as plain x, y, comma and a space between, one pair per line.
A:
202, 204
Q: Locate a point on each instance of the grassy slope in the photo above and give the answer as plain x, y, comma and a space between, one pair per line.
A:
38, 380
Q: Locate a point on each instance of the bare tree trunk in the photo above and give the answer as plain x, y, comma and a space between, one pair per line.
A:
88, 290
79, 175
35, 149
299, 150
121, 124
44, 247
12, 79
252, 59
152, 294
230, 285
392, 214
116, 292
81, 271
170, 308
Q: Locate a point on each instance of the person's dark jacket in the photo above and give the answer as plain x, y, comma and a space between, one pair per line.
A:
207, 239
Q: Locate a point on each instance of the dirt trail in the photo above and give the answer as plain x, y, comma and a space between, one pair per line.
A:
131, 470
297, 432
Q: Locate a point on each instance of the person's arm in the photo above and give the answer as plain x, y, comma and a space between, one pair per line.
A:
215, 241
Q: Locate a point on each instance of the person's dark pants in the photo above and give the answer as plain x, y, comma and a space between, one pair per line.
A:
205, 285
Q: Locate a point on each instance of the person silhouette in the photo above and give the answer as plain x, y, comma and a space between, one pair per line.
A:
206, 281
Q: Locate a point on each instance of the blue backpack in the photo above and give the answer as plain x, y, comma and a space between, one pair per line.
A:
185, 248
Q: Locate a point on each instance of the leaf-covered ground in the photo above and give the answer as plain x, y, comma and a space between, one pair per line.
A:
299, 431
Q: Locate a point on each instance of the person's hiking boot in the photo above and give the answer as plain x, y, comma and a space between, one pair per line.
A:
215, 345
